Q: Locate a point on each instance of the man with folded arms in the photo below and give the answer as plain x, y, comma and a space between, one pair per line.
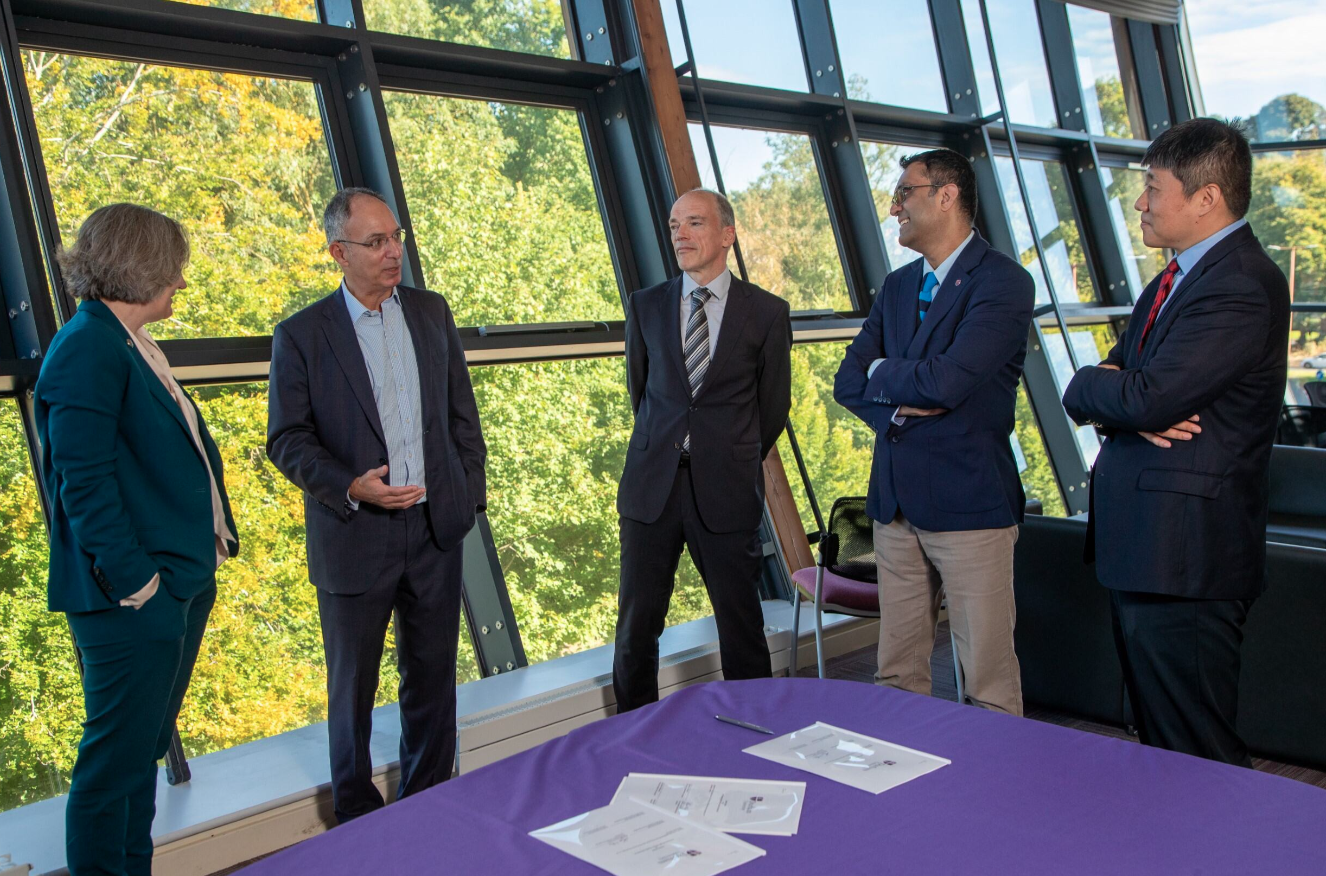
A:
935, 373
1188, 402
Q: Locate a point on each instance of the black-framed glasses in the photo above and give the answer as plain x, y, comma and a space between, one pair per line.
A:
375, 244
901, 193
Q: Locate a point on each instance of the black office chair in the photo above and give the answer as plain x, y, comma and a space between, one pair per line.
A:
1316, 390
1302, 426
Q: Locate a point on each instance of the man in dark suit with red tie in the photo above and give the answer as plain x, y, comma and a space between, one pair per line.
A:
708, 364
1188, 401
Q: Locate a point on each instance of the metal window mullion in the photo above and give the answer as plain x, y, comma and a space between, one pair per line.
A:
848, 195
1058, 431
1061, 63
1104, 248
1169, 42
360, 107
25, 239
1150, 77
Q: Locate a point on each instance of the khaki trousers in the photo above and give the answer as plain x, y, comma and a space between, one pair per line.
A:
917, 568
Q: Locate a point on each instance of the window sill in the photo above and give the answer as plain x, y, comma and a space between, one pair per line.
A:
264, 795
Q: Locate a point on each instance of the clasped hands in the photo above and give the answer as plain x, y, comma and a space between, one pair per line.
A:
1181, 431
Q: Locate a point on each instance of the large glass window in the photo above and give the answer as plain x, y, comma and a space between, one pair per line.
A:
305, 10
1055, 223
753, 42
504, 209
884, 171
1307, 360
1288, 213
835, 444
1033, 462
1123, 186
534, 26
240, 160
783, 222
1098, 70
557, 434
41, 700
907, 74
1091, 344
1021, 59
1262, 63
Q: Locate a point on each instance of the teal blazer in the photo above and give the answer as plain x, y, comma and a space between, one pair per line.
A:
128, 489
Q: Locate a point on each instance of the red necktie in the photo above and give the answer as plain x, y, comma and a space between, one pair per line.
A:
1166, 283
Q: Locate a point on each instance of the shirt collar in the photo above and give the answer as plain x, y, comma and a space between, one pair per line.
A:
356, 308
947, 264
718, 287
1189, 258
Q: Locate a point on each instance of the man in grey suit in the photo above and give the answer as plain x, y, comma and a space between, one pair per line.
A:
708, 361
372, 415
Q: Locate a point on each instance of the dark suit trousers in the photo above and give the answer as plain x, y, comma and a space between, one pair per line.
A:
1181, 667
728, 562
421, 584
136, 669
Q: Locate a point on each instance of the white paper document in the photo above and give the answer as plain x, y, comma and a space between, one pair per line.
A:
860, 761
630, 838
729, 805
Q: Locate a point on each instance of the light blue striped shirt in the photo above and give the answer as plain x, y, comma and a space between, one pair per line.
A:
384, 339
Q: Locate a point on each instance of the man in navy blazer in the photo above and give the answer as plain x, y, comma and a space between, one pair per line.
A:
708, 366
1188, 401
372, 415
934, 371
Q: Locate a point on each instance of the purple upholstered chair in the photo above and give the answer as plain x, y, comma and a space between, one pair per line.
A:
844, 579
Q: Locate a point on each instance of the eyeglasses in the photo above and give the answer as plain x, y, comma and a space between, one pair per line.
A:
375, 244
901, 193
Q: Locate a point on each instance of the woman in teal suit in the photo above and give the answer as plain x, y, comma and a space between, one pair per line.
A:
139, 523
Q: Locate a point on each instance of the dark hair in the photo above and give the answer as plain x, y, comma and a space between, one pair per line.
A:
338, 210
946, 167
1203, 152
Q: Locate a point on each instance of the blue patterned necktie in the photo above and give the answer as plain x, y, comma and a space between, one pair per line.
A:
696, 347
927, 295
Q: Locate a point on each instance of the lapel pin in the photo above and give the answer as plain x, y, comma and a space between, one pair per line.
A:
957, 282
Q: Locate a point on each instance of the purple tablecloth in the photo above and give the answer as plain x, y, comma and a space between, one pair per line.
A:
1021, 797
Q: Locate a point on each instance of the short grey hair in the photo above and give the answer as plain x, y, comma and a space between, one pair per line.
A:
338, 210
124, 252
725, 213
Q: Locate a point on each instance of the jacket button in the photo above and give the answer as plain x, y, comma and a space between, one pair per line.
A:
894, 439
694, 409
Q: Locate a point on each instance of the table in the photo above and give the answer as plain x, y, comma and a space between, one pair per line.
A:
1021, 797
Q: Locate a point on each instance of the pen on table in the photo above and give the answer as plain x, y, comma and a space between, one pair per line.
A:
749, 726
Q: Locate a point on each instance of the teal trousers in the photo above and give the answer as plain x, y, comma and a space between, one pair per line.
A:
136, 668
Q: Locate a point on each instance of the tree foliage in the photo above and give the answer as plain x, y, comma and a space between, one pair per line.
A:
505, 213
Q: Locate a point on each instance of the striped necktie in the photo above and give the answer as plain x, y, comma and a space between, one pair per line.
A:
927, 295
696, 347
1166, 284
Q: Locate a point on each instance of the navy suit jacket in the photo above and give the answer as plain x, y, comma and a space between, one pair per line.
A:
323, 431
130, 494
954, 471
734, 420
1190, 520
